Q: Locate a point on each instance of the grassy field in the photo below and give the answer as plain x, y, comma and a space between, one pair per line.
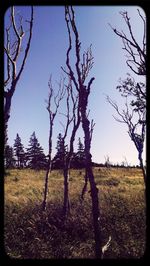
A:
30, 233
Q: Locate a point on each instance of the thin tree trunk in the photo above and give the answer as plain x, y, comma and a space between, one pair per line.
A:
67, 161
142, 167
46, 186
8, 97
94, 189
66, 205
48, 169
85, 185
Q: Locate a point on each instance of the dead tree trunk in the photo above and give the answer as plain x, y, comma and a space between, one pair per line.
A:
48, 171
52, 116
75, 119
85, 185
142, 167
78, 76
66, 204
83, 97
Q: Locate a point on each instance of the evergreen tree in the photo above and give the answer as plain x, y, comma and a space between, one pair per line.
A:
79, 159
9, 161
19, 151
35, 155
80, 153
61, 148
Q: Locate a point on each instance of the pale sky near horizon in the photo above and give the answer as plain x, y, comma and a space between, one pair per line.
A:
46, 56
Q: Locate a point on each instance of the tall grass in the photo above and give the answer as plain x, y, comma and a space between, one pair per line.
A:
31, 233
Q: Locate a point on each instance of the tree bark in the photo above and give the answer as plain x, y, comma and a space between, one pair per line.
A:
66, 205
81, 71
85, 185
48, 170
12, 76
67, 160
89, 171
46, 186
142, 167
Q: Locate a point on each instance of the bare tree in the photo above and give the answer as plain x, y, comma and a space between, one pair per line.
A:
14, 36
78, 77
136, 53
136, 61
107, 161
125, 162
52, 115
72, 117
134, 114
135, 121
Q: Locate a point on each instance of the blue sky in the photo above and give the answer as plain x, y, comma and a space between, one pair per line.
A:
48, 54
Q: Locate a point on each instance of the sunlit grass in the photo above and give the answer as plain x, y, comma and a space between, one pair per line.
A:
30, 233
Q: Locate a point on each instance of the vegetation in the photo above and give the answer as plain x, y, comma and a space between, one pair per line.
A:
134, 93
73, 224
30, 233
19, 151
35, 154
17, 40
9, 157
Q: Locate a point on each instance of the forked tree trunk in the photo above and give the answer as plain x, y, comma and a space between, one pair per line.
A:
81, 72
67, 161
93, 188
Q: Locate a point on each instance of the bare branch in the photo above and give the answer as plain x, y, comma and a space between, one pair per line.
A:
115, 106
12, 51
56, 98
7, 51
19, 37
27, 47
52, 114
130, 44
144, 35
87, 64
69, 49
92, 128
136, 127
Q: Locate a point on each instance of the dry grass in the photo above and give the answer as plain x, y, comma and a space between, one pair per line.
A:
30, 233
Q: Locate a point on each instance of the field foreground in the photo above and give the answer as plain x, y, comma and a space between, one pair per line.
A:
31, 233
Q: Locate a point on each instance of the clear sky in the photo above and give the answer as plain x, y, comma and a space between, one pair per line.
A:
47, 55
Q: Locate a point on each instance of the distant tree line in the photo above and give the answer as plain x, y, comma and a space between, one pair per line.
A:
33, 157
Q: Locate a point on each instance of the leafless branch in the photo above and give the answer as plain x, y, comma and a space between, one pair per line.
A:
137, 61
115, 106
71, 74
52, 110
12, 49
92, 128
27, 47
136, 127
56, 98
